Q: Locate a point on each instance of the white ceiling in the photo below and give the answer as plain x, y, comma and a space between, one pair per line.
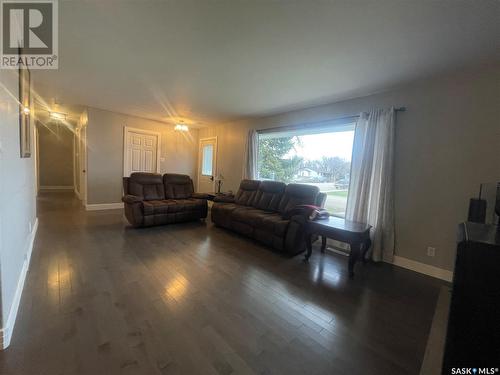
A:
212, 61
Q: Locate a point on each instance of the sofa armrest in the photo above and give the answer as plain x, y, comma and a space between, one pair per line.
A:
301, 219
134, 209
200, 196
132, 198
294, 241
321, 200
224, 198
299, 211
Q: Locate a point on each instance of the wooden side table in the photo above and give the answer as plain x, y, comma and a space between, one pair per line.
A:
357, 235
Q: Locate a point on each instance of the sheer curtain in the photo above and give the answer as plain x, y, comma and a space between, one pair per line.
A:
371, 188
251, 155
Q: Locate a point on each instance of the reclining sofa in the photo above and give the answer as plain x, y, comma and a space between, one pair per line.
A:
267, 212
152, 199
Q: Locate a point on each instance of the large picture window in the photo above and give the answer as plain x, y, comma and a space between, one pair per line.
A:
317, 156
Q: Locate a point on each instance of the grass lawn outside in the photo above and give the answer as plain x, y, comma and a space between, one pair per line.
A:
338, 193
336, 202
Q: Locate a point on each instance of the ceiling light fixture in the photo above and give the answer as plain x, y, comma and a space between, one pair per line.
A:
57, 116
26, 111
181, 128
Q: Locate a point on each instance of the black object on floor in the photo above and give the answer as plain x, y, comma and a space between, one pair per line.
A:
473, 336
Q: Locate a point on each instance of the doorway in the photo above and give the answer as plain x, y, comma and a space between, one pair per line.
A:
207, 164
55, 159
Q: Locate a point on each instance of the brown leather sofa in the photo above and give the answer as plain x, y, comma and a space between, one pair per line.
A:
151, 199
266, 211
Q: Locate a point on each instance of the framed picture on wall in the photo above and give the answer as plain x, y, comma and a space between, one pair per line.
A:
25, 112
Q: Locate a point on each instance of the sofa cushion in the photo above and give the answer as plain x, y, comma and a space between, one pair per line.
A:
221, 213
177, 186
149, 186
181, 205
269, 239
274, 223
156, 207
297, 194
246, 192
269, 195
248, 215
178, 217
224, 208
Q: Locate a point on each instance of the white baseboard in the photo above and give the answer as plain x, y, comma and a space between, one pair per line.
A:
426, 269
7, 330
103, 206
63, 187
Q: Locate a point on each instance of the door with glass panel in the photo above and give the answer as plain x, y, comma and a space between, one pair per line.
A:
207, 164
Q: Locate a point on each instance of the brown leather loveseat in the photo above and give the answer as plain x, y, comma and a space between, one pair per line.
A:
152, 199
266, 211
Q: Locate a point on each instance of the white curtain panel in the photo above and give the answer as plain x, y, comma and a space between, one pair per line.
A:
251, 155
371, 188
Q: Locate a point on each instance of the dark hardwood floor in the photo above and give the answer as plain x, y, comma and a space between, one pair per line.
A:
102, 298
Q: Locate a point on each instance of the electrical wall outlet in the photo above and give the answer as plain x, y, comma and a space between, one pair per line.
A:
431, 251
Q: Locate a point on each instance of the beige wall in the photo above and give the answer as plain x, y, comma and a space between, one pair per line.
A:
55, 168
17, 201
448, 142
105, 152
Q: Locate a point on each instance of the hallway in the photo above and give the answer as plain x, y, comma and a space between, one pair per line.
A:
102, 298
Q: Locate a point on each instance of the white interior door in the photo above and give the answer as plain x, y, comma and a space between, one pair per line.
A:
83, 164
76, 169
141, 151
207, 164
37, 160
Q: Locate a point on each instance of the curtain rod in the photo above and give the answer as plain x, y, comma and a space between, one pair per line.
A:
317, 123
399, 109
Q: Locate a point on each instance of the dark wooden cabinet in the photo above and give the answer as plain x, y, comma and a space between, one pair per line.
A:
473, 335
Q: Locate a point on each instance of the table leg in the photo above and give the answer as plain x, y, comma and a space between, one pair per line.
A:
366, 247
353, 257
323, 243
308, 246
